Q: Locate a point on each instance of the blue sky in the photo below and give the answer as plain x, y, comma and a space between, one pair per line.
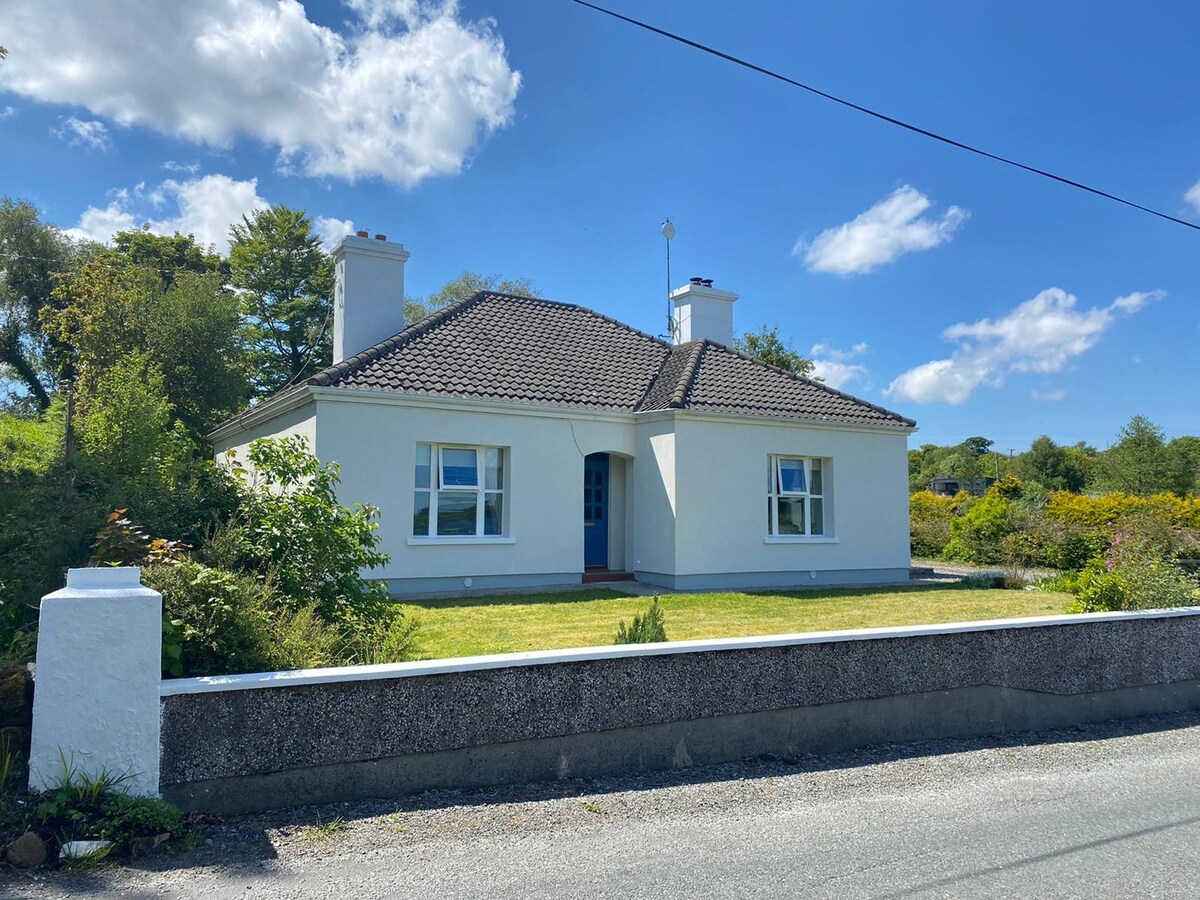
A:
548, 142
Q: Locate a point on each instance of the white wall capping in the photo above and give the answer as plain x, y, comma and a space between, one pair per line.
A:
584, 654
99, 663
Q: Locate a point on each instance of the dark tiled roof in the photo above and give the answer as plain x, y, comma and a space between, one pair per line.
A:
522, 350
502, 347
718, 379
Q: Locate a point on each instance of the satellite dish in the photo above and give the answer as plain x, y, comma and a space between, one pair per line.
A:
668, 230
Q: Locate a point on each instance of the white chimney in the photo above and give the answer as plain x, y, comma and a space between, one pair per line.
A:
368, 295
703, 311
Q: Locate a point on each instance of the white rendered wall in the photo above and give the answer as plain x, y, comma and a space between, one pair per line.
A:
374, 441
654, 490
301, 420
368, 296
722, 497
99, 663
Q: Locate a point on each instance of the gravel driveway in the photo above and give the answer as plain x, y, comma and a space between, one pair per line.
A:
1106, 811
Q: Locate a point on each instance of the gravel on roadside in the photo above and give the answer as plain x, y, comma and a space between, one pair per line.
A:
298, 835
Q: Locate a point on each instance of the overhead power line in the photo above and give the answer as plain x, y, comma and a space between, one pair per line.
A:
762, 70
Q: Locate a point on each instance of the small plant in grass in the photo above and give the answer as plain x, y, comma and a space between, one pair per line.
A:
647, 629
81, 807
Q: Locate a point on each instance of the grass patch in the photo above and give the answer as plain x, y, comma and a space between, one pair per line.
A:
470, 626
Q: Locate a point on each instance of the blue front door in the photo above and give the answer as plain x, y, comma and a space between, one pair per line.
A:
595, 510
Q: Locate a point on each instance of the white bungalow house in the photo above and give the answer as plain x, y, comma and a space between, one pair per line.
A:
510, 442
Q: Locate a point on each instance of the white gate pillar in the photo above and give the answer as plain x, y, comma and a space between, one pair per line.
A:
96, 688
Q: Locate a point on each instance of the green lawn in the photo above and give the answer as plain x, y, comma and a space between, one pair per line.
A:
469, 626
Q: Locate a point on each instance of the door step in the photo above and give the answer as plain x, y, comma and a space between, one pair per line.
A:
602, 575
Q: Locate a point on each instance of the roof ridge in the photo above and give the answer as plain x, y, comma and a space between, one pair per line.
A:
586, 309
409, 334
687, 378
817, 384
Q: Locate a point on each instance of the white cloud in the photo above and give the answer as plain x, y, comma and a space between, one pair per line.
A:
1193, 196
182, 168
8, 111
882, 234
205, 207
332, 230
835, 366
83, 133
404, 94
1041, 335
1053, 396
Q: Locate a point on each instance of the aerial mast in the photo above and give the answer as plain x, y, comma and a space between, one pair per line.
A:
668, 232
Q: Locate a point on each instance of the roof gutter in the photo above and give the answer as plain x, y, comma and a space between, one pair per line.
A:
267, 409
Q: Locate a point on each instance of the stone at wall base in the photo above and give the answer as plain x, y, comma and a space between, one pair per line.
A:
16, 698
27, 852
14, 739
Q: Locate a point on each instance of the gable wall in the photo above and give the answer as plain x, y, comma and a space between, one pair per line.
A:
300, 420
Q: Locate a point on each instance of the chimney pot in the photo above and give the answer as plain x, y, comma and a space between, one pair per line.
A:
363, 233
381, 237
706, 282
695, 279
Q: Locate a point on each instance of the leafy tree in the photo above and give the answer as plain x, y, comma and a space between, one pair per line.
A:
463, 286
1141, 463
1053, 467
1187, 450
286, 281
31, 253
766, 345
977, 446
190, 331
168, 256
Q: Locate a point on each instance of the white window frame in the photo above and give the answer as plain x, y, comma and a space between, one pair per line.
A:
775, 492
480, 489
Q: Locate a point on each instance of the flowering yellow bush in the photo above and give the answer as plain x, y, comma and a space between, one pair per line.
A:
930, 515
1098, 512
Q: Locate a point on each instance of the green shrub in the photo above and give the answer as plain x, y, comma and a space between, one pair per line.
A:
294, 531
978, 535
647, 629
1133, 576
227, 623
929, 523
82, 807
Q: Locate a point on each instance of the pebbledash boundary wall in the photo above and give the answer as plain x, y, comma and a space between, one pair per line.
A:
250, 742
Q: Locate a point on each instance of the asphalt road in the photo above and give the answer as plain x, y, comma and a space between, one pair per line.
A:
1112, 811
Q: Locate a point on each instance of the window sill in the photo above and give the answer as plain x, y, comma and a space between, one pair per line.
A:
799, 539
469, 541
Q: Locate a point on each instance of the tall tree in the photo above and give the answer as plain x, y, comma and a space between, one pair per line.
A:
31, 253
286, 282
189, 333
766, 345
463, 286
1141, 463
169, 256
1053, 467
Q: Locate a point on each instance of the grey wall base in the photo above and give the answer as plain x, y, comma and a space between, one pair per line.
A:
786, 579
823, 729
402, 587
